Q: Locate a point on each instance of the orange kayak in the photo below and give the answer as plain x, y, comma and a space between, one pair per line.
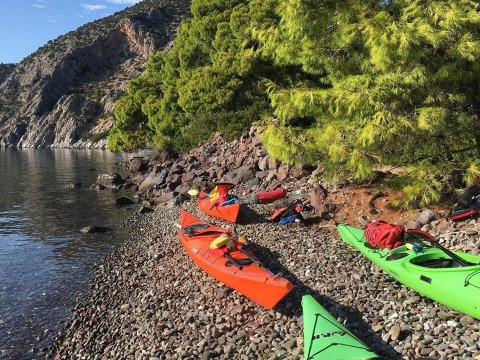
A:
236, 268
226, 212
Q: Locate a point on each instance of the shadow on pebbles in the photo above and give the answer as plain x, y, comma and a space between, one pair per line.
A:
149, 301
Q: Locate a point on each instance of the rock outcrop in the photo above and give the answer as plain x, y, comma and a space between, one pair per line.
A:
5, 71
63, 94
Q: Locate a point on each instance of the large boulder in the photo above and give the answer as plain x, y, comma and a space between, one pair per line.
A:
139, 178
240, 175
137, 164
154, 178
263, 163
124, 201
109, 180
425, 216
165, 198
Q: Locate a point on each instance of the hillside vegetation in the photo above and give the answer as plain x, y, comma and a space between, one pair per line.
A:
353, 85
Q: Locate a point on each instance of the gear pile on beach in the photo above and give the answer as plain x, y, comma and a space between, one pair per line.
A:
150, 301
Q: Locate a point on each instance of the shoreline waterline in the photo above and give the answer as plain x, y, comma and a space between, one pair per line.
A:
45, 262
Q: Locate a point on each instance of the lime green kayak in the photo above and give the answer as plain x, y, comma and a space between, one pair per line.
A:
452, 280
325, 338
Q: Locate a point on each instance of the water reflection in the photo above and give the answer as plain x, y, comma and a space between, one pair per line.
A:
44, 260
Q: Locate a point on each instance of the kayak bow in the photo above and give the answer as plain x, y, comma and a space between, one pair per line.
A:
326, 339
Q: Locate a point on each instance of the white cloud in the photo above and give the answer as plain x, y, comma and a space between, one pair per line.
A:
128, 2
53, 18
93, 7
39, 6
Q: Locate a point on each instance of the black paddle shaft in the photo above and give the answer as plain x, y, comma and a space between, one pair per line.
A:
233, 261
451, 254
435, 243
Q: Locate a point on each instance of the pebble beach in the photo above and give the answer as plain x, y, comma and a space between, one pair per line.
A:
149, 301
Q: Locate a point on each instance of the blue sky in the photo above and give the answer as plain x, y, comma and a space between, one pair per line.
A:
26, 25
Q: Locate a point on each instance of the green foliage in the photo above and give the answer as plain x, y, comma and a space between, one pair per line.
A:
396, 84
472, 175
355, 85
209, 81
421, 187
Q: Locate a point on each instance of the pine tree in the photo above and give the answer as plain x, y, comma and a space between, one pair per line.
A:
356, 85
394, 83
210, 80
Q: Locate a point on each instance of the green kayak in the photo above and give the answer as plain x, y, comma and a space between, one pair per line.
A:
450, 278
325, 338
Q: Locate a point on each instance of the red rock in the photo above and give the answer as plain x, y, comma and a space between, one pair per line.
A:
257, 141
318, 196
162, 199
182, 189
187, 177
220, 172
272, 163
139, 178
282, 172
296, 172
239, 161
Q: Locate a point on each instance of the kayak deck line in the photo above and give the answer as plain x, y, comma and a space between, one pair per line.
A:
207, 256
236, 271
325, 338
467, 279
341, 332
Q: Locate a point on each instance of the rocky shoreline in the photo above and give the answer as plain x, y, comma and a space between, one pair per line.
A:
149, 300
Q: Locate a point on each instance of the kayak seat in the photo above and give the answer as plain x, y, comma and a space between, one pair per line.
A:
243, 262
194, 227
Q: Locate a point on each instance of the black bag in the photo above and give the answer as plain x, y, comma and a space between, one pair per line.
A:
468, 204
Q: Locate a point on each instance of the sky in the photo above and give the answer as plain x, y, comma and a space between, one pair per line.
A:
26, 25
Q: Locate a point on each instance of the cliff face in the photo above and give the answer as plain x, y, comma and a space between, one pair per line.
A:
63, 94
5, 70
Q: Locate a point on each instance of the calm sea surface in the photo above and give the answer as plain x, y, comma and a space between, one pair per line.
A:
45, 263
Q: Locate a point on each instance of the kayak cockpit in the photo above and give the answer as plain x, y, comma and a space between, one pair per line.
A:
437, 261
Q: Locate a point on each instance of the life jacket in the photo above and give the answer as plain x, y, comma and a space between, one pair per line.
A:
292, 212
381, 235
468, 204
219, 193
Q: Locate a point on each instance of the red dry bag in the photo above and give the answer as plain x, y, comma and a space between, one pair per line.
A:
271, 196
384, 236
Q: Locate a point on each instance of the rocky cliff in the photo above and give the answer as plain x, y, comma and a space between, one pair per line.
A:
63, 94
5, 70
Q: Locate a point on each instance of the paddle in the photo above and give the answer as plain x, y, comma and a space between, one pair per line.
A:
182, 228
435, 243
245, 251
232, 260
